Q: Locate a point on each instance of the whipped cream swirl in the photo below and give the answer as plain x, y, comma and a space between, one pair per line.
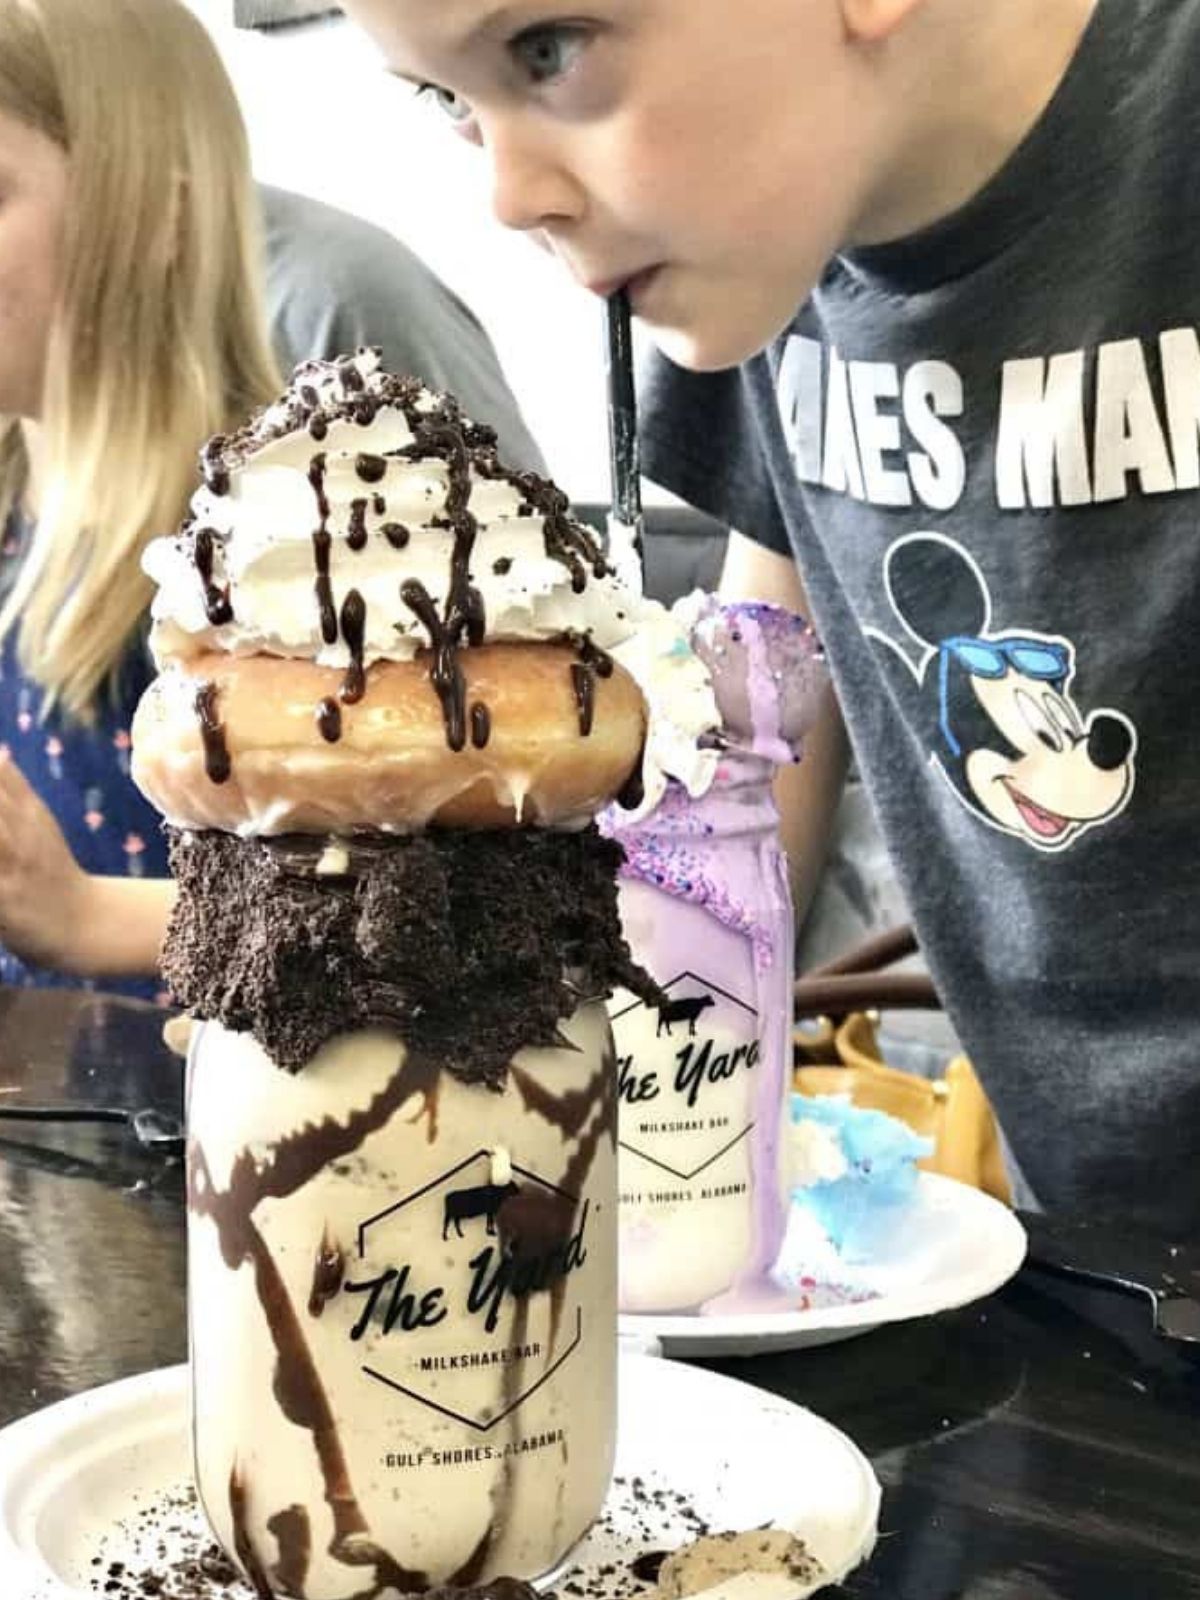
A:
354, 451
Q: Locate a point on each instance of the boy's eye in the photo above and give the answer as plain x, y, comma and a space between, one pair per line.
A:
450, 104
549, 50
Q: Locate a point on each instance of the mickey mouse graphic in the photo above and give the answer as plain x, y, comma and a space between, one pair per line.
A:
997, 710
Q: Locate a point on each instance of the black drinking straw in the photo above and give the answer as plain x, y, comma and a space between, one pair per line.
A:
622, 419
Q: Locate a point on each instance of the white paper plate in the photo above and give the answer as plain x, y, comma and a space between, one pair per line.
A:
106, 1477
954, 1245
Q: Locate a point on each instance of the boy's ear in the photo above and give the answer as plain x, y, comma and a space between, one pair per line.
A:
871, 21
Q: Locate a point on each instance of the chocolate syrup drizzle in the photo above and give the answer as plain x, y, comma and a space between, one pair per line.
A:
354, 626
356, 530
462, 615
566, 541
329, 719
217, 764
329, 1269
536, 1222
217, 606
243, 1546
593, 663
293, 1536
322, 542
583, 682
569, 1114
591, 655
298, 1387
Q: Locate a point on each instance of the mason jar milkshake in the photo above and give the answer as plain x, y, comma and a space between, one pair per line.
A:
703, 1074
389, 708
402, 1296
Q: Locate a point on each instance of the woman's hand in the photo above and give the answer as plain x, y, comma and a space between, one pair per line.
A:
43, 890
54, 914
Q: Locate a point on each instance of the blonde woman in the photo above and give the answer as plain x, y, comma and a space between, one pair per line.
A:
132, 326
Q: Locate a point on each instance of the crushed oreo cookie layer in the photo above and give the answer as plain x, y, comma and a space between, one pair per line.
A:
471, 946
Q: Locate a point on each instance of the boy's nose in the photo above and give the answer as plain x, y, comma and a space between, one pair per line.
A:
529, 190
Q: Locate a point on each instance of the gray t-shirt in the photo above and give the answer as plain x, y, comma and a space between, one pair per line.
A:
335, 282
983, 445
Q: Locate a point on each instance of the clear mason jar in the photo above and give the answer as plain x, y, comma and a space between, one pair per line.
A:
402, 1306
704, 1076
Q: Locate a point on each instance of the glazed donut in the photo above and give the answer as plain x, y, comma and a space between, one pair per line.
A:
266, 744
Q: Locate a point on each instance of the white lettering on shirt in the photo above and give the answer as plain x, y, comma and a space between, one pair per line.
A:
862, 429
1179, 349
1041, 447
933, 390
1071, 429
1129, 437
840, 469
872, 382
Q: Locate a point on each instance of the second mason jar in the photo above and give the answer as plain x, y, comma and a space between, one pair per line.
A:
703, 1076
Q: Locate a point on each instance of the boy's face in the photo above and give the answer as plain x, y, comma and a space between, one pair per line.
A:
709, 154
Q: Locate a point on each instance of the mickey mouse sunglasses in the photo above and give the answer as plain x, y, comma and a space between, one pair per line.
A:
1040, 659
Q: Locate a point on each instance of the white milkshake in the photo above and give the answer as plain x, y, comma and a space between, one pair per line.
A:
402, 1293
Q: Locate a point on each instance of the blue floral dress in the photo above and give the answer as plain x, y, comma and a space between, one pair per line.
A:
81, 772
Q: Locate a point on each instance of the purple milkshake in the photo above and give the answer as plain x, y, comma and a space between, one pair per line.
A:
704, 1077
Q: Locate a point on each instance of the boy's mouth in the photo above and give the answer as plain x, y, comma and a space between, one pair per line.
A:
640, 283
632, 283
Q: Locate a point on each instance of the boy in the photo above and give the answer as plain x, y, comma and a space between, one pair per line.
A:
923, 270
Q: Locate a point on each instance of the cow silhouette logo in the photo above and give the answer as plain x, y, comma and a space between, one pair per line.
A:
485, 1200
675, 1063
428, 1322
686, 1010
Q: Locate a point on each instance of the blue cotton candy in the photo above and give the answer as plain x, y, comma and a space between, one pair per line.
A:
858, 1209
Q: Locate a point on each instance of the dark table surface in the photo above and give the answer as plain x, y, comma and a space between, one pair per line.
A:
1041, 1443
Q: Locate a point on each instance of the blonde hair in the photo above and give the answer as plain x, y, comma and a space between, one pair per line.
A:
159, 336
